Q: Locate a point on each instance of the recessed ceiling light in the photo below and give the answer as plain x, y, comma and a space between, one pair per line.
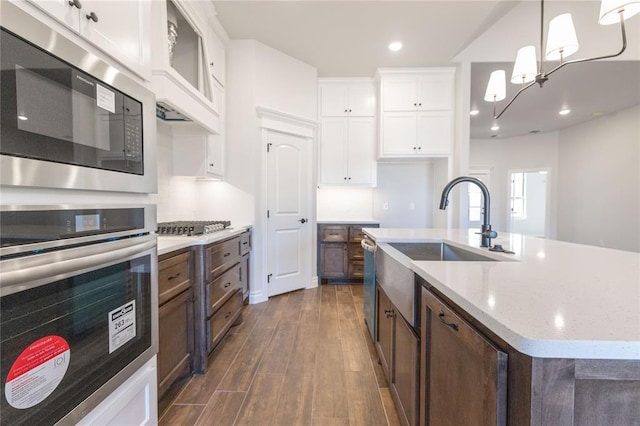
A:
564, 111
474, 112
23, 117
495, 127
395, 46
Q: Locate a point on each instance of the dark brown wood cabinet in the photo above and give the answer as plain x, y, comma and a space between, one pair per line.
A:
224, 292
464, 375
175, 319
340, 255
398, 349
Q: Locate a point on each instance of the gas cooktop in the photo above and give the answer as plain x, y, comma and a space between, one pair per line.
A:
192, 227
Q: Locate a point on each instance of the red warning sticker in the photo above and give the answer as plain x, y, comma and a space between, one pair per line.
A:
37, 372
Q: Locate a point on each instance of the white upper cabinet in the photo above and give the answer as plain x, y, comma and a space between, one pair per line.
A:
417, 107
347, 132
187, 75
120, 29
352, 99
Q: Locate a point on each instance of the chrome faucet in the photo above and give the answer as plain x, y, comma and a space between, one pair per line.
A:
486, 232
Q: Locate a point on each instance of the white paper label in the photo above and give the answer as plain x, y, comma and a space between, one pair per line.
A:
106, 98
37, 372
122, 325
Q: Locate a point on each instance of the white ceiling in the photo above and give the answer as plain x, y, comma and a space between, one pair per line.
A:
350, 39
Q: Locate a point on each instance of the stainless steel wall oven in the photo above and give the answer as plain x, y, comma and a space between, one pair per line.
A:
78, 300
67, 118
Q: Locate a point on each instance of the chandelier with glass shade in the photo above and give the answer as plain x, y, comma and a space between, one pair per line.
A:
561, 43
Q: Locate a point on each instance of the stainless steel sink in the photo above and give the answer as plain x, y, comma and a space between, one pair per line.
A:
438, 251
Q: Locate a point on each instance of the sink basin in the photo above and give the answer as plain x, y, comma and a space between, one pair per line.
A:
438, 251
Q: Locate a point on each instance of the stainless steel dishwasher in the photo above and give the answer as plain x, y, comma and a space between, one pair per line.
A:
369, 285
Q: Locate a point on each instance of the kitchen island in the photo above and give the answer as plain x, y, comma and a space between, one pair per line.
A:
563, 318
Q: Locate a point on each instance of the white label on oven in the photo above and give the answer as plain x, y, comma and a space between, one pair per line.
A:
122, 325
37, 372
106, 98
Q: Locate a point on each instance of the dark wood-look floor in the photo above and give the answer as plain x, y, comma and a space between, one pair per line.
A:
302, 358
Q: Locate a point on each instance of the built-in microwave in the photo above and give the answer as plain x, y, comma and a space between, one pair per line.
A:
69, 119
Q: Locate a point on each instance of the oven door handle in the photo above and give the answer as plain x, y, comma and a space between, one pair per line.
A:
28, 272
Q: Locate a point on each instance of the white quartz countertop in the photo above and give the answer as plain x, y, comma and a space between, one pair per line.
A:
169, 243
551, 299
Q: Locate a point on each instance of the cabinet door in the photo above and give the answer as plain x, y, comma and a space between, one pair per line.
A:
216, 51
384, 335
435, 132
457, 357
334, 100
333, 151
399, 134
175, 340
361, 151
406, 369
215, 155
436, 91
333, 260
62, 11
399, 93
122, 31
362, 100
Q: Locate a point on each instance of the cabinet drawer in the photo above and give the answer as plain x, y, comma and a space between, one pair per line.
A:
245, 243
334, 234
356, 269
355, 233
173, 276
221, 321
221, 256
356, 252
221, 288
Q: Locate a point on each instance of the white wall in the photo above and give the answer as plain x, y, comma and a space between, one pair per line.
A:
534, 152
408, 191
345, 204
534, 221
599, 182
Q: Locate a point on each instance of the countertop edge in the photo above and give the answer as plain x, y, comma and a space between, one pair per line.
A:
170, 243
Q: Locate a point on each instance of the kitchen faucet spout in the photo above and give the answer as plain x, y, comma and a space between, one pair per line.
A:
486, 232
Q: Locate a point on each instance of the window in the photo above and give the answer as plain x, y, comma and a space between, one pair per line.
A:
474, 196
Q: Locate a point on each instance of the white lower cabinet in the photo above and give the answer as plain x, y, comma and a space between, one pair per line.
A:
134, 403
347, 151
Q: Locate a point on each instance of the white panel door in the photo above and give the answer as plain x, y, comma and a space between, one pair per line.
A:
122, 30
399, 134
435, 133
361, 153
400, 93
333, 100
288, 229
362, 100
333, 151
436, 91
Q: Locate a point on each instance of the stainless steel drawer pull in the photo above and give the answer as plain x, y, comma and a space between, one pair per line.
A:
448, 324
173, 277
227, 255
227, 285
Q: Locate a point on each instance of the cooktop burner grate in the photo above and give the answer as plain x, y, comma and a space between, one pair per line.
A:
192, 227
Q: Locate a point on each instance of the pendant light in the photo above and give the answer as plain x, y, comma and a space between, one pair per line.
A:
562, 42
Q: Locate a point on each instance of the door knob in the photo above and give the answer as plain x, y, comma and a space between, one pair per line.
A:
75, 3
303, 220
92, 17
